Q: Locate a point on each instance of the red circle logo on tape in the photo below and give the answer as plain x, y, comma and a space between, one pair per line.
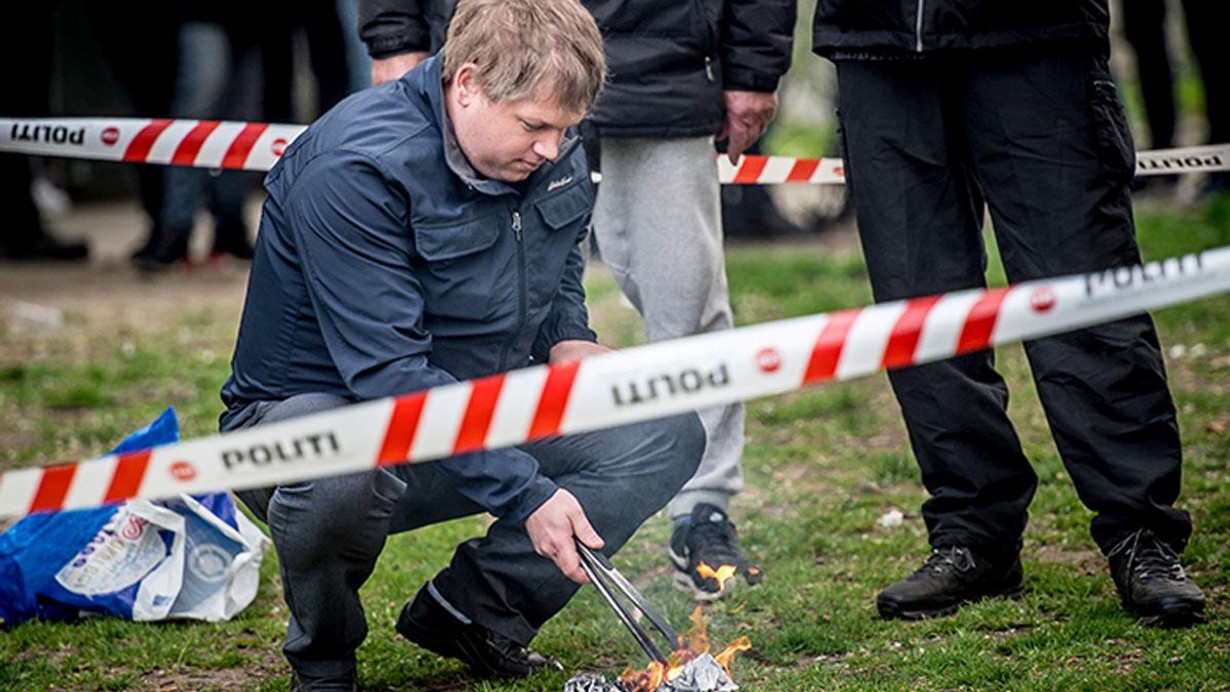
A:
110, 136
768, 359
1042, 299
279, 146
183, 471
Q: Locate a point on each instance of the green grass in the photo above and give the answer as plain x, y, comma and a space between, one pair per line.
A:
822, 466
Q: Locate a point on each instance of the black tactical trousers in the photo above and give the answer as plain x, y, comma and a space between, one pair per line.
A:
1038, 138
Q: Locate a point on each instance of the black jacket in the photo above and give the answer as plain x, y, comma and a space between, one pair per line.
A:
860, 28
668, 60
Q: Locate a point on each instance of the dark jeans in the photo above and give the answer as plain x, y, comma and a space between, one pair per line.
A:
328, 532
1041, 140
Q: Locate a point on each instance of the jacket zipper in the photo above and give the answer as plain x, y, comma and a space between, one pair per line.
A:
521, 290
918, 21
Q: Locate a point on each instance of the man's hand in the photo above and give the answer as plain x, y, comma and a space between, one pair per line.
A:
567, 351
747, 115
393, 67
551, 528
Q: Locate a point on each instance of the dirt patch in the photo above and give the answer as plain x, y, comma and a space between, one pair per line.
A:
1087, 559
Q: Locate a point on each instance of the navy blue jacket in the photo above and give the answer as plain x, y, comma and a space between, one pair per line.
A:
386, 265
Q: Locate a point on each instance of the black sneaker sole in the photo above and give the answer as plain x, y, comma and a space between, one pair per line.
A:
892, 610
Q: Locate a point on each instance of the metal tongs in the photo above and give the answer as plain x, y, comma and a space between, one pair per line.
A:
606, 578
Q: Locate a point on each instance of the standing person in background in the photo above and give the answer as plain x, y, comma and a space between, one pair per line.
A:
218, 77
1206, 22
680, 73
319, 24
25, 95
1144, 27
142, 56
416, 235
950, 105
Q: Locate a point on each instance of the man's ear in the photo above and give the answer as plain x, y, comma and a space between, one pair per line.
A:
465, 82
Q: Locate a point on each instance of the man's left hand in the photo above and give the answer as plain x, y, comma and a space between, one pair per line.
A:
747, 115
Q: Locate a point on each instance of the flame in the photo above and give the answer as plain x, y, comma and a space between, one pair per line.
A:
721, 575
697, 642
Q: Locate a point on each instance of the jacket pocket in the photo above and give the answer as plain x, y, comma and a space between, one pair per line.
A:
563, 209
463, 275
440, 243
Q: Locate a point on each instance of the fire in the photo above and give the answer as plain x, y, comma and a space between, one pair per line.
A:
658, 674
721, 575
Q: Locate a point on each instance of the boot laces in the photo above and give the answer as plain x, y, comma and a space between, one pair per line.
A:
1149, 558
948, 558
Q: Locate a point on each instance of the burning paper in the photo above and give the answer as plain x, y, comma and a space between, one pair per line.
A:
701, 674
691, 669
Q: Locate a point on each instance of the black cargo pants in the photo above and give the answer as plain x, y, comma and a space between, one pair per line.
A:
1039, 138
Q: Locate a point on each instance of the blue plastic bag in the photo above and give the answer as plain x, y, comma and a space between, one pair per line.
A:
194, 557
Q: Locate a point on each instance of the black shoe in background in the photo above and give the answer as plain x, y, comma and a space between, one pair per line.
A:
1152, 584
704, 543
426, 622
233, 242
166, 248
951, 576
147, 248
303, 683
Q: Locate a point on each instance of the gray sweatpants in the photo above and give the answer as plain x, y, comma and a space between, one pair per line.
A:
329, 532
658, 224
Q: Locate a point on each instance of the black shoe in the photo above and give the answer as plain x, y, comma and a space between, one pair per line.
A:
165, 249
303, 683
234, 243
951, 576
427, 623
1152, 583
706, 553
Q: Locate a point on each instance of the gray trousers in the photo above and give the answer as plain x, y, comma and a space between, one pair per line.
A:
658, 224
329, 532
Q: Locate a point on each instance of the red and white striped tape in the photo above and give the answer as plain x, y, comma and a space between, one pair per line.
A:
632, 385
199, 143
256, 146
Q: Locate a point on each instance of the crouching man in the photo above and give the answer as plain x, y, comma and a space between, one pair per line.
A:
419, 233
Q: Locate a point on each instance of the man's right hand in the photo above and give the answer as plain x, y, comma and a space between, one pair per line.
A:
394, 66
552, 527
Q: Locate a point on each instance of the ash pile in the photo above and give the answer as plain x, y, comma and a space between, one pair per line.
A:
701, 674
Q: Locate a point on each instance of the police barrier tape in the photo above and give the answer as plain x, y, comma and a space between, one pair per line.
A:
257, 146
636, 384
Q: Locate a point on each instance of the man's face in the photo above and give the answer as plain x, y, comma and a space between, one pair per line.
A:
506, 141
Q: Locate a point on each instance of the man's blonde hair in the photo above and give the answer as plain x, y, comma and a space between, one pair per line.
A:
520, 45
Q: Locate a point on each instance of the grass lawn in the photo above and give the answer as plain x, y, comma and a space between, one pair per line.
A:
822, 466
